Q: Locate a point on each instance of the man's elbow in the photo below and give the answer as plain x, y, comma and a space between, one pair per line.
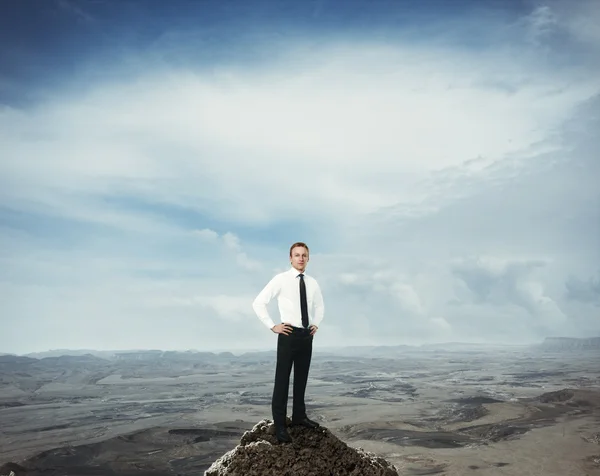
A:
257, 305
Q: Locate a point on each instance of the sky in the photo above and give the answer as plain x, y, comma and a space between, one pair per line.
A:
158, 159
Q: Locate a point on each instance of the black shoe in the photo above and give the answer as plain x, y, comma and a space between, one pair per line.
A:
305, 422
282, 434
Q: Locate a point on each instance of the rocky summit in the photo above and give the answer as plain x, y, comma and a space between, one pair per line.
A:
313, 452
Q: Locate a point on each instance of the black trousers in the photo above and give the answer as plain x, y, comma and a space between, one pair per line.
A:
292, 350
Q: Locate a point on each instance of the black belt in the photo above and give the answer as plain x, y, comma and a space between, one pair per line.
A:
300, 330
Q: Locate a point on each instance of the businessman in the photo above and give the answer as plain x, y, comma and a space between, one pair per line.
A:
301, 311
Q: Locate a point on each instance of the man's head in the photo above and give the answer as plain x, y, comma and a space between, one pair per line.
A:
299, 256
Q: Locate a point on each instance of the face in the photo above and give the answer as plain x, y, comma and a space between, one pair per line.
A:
299, 258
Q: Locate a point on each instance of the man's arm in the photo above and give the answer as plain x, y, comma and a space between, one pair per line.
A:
319, 306
264, 298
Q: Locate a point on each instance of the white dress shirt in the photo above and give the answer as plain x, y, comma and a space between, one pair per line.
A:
286, 287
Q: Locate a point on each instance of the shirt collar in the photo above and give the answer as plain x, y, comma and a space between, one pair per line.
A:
295, 272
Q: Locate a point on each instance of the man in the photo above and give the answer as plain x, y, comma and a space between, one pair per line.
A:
301, 310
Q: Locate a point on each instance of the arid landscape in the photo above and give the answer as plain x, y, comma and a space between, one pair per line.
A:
449, 409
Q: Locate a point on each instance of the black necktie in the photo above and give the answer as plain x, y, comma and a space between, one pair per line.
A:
303, 302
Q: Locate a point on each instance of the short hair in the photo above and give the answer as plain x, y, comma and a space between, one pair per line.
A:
296, 245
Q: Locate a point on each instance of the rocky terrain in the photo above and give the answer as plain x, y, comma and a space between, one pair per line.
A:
434, 410
313, 452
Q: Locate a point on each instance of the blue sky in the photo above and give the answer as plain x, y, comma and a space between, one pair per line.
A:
157, 159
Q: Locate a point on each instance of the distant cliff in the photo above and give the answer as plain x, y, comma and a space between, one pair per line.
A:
571, 343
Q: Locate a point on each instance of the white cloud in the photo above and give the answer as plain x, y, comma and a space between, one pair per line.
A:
510, 283
407, 298
587, 291
232, 243
441, 323
450, 190
206, 234
581, 19
228, 307
542, 21
367, 118
245, 262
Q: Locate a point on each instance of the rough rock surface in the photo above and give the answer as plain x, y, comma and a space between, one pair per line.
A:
314, 452
11, 469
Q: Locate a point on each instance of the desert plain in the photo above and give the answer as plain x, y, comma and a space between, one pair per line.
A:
448, 409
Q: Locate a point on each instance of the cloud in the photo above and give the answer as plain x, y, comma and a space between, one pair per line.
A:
542, 22
587, 291
493, 279
232, 243
228, 307
578, 19
207, 234
508, 283
225, 130
75, 10
446, 191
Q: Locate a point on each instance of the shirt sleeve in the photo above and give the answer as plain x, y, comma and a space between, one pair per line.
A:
264, 298
319, 306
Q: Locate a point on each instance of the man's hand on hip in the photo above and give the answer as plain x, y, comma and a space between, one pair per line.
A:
283, 328
313, 330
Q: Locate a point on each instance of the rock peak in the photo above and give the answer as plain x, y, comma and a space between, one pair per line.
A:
313, 452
